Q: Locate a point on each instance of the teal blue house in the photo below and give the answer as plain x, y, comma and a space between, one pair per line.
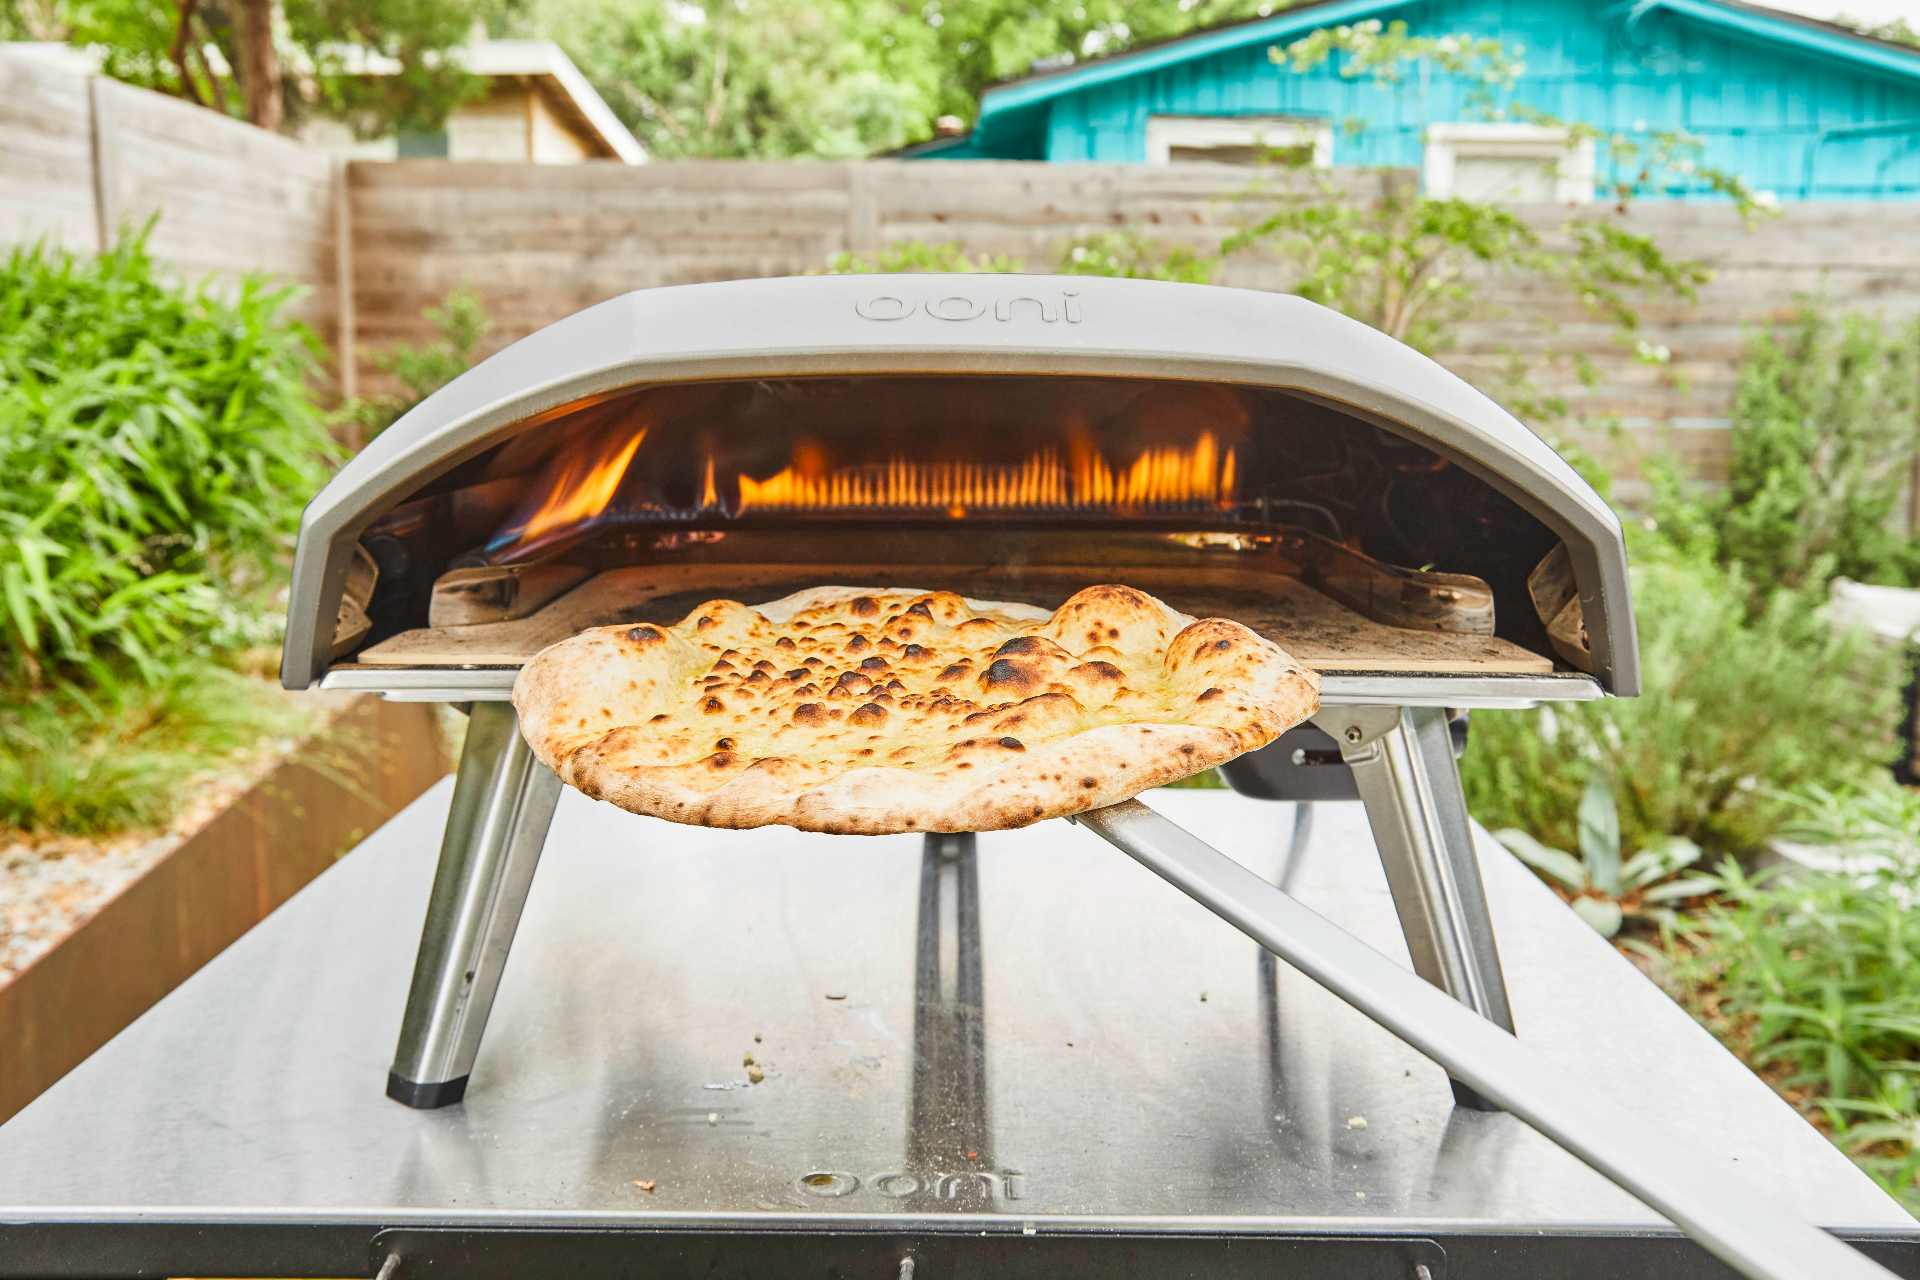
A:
1803, 109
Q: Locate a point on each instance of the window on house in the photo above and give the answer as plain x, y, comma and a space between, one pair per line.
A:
1519, 163
1239, 140
413, 144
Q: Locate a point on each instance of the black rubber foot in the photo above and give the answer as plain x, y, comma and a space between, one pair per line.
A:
425, 1097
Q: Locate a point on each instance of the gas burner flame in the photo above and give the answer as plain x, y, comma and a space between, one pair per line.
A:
578, 488
1163, 479
584, 488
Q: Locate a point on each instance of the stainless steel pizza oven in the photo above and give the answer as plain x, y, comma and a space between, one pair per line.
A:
1015, 438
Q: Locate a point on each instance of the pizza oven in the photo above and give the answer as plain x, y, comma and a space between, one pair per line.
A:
1235, 453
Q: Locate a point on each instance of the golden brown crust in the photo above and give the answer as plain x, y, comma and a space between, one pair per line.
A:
866, 710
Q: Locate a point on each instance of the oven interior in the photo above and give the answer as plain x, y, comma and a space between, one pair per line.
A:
1355, 547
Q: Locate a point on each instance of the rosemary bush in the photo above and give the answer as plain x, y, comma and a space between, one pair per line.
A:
1826, 423
157, 444
1739, 708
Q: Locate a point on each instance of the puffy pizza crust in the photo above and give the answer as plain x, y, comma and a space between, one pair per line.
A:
865, 711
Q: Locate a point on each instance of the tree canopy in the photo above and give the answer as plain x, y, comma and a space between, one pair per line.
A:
773, 78
731, 78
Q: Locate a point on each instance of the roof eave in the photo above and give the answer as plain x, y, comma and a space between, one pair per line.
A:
1035, 90
1753, 21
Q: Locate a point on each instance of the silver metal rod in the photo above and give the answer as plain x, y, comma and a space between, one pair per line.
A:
1410, 784
1742, 1225
503, 801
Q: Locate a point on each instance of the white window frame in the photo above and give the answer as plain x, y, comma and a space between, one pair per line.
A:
1571, 156
1164, 133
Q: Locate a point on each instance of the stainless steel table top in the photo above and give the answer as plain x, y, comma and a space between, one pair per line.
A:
1082, 1045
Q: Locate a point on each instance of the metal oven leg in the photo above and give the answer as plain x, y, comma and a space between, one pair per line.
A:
1402, 762
1741, 1223
503, 800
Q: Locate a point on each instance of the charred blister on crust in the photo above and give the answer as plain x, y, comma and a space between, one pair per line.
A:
870, 713
646, 635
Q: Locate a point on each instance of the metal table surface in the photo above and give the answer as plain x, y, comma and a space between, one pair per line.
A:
1044, 1060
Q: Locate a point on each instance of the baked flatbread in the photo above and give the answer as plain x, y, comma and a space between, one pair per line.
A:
865, 710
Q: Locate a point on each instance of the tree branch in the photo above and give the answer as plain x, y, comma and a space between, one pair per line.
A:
182, 42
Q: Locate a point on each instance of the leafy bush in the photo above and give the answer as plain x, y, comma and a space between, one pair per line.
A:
158, 443
1825, 427
1737, 709
120, 753
1814, 979
460, 324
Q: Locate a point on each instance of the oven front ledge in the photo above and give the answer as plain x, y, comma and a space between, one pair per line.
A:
1337, 689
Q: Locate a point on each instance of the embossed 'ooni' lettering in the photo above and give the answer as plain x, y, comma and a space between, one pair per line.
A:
957, 308
883, 306
1005, 1184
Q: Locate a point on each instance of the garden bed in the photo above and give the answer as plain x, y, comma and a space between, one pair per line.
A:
93, 932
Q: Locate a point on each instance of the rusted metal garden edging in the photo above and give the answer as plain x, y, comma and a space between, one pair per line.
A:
331, 791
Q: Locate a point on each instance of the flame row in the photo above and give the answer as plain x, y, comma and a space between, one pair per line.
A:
1158, 478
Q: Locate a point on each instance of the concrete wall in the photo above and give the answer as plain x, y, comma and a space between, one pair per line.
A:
82, 157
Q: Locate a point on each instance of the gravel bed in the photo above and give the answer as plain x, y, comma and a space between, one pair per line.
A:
51, 885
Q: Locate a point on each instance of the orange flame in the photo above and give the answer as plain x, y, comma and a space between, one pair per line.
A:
582, 487
1158, 479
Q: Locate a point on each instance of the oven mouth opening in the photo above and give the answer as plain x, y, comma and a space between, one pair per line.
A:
988, 485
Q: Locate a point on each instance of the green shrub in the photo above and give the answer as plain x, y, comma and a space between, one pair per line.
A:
1737, 709
460, 325
1825, 426
1814, 979
157, 444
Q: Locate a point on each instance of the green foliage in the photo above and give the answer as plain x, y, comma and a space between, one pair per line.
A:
1399, 261
121, 753
918, 257
1814, 978
1739, 706
461, 325
420, 36
158, 444
758, 78
1130, 255
180, 49
1604, 887
1826, 423
1106, 253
